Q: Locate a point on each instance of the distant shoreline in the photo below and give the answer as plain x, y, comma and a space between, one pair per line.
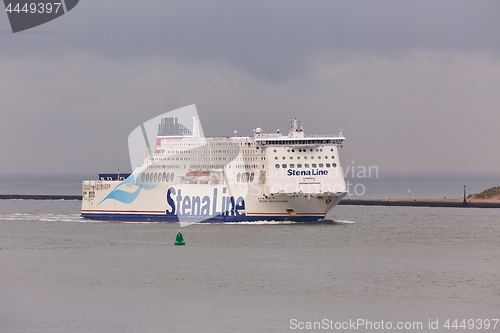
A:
39, 197
455, 202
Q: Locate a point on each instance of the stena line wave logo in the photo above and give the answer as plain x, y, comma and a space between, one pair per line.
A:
25, 15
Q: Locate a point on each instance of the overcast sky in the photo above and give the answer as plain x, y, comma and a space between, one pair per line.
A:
414, 84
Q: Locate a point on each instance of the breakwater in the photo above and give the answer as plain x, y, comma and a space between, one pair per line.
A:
421, 203
39, 197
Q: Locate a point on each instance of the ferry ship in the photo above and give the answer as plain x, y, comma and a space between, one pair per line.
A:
190, 179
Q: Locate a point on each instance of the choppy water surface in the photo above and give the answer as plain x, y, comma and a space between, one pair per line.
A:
63, 274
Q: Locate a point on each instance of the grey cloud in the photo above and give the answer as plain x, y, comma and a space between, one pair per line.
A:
270, 39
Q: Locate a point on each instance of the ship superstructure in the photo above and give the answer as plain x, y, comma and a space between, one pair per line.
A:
189, 178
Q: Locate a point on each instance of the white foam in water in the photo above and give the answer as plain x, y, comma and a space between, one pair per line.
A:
343, 222
42, 217
273, 222
258, 222
135, 222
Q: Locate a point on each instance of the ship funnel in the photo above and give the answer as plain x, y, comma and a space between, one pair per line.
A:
296, 129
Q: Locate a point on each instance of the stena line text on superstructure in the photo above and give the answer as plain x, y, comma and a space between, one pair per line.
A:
196, 205
312, 172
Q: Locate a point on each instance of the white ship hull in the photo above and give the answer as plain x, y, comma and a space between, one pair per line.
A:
154, 205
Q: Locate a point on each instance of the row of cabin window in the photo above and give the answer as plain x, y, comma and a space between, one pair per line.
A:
157, 177
314, 165
305, 157
304, 150
245, 177
163, 166
205, 152
300, 142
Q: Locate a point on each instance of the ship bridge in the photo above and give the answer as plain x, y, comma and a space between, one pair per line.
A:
296, 138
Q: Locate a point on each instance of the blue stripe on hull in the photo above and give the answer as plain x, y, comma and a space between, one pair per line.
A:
214, 219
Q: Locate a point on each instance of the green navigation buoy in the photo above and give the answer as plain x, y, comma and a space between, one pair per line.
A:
179, 240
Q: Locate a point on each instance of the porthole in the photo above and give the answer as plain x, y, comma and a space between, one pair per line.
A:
326, 157
330, 149
275, 150
283, 166
333, 157
277, 166
293, 150
299, 165
155, 177
334, 165
143, 177
306, 165
311, 150
300, 150
312, 157
238, 178
321, 149
288, 150
284, 157
298, 157
147, 177
172, 177
314, 165
305, 157
292, 165
276, 158
319, 157
317, 150
251, 177
321, 165
327, 165
291, 157
244, 177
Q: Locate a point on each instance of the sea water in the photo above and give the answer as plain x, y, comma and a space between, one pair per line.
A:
376, 265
